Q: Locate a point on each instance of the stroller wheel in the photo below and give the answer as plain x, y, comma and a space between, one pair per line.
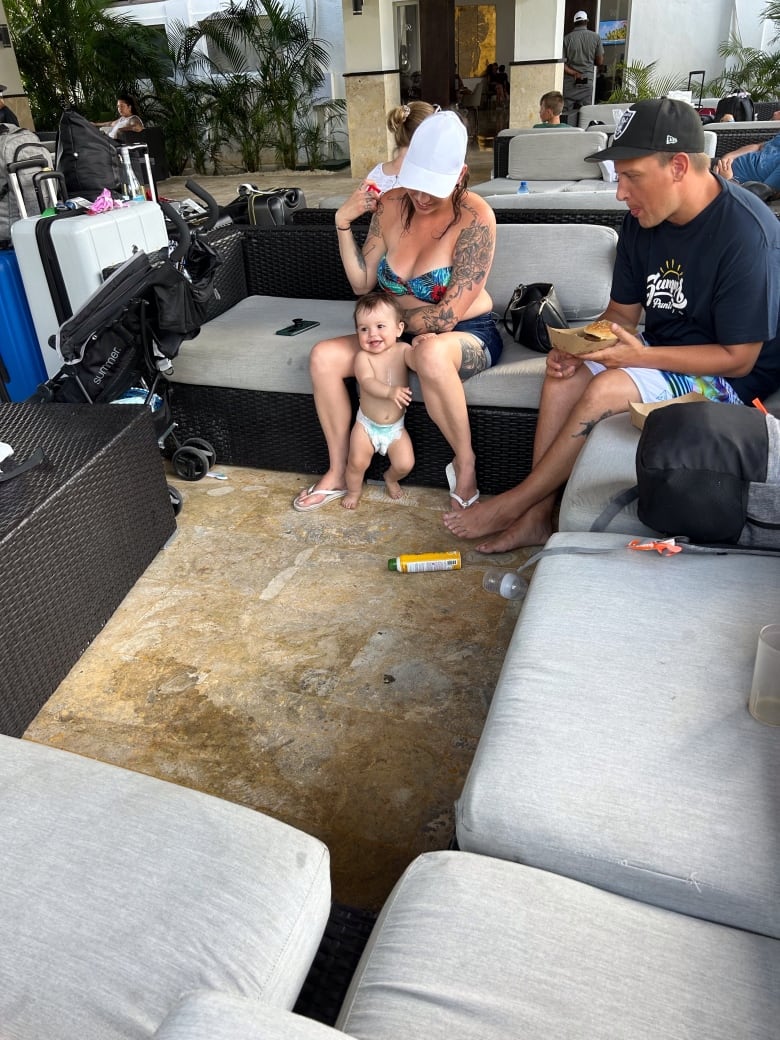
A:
190, 463
204, 445
176, 500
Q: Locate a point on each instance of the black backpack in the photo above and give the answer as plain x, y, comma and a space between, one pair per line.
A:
738, 104
88, 160
709, 472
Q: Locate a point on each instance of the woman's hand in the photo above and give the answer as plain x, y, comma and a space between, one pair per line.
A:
364, 199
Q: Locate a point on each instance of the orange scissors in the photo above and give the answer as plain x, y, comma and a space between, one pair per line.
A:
665, 548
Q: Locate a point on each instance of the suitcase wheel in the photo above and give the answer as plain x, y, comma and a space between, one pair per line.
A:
190, 463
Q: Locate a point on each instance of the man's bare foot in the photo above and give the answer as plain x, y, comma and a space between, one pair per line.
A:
393, 488
481, 519
351, 499
526, 530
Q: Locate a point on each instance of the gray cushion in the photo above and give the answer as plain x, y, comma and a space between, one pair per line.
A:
240, 348
121, 892
218, 1016
605, 467
508, 186
618, 748
475, 949
470, 947
569, 198
604, 113
554, 156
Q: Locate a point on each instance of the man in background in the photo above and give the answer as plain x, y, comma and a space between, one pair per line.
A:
582, 54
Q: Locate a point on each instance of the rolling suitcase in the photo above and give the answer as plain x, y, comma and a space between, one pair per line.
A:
22, 361
265, 207
63, 259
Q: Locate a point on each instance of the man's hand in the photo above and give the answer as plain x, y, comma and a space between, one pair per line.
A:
561, 365
628, 352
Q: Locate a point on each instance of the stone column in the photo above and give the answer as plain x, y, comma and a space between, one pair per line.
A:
370, 95
372, 85
539, 26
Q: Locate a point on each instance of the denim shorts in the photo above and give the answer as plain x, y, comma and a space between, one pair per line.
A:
484, 328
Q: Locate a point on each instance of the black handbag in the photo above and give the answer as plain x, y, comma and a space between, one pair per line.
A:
529, 312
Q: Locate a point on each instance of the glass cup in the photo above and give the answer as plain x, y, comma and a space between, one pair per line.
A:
764, 702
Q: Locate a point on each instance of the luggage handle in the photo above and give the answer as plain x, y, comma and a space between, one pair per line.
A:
183, 232
211, 203
54, 181
702, 73
147, 165
13, 169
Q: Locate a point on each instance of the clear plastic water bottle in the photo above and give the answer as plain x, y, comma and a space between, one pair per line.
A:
131, 186
523, 188
508, 584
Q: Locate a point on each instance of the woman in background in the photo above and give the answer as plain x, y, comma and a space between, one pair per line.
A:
402, 121
127, 119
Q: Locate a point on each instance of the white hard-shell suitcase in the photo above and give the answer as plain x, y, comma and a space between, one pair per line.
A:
63, 261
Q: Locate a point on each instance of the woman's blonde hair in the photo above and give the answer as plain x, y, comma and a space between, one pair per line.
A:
404, 120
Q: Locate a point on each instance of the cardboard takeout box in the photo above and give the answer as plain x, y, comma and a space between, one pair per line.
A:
640, 411
574, 341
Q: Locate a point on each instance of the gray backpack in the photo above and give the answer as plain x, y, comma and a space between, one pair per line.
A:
19, 145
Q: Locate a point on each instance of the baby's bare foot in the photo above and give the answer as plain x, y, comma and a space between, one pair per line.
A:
351, 499
394, 489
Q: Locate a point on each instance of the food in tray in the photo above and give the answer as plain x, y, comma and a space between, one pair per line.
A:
599, 330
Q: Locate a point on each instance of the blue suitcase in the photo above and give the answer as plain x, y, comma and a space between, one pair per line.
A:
19, 350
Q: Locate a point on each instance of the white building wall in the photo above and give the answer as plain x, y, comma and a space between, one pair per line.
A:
683, 35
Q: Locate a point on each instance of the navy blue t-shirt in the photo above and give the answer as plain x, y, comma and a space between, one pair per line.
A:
715, 279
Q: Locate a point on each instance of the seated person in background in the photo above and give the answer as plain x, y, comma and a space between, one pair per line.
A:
550, 108
753, 162
383, 378
495, 86
699, 256
7, 115
128, 118
402, 121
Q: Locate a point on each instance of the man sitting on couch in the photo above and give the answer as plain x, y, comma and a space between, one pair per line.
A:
702, 258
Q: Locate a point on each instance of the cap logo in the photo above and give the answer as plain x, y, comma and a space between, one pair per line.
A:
670, 139
625, 122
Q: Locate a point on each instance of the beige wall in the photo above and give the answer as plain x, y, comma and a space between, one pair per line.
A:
10, 78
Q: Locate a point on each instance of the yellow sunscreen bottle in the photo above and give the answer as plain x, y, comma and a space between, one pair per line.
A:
414, 563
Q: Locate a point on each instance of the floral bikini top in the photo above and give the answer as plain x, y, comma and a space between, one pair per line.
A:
429, 287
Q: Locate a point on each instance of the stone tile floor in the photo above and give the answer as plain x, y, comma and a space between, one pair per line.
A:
270, 658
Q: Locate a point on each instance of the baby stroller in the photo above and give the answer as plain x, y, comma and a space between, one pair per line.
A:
120, 345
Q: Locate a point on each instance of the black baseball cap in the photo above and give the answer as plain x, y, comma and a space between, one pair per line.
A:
655, 125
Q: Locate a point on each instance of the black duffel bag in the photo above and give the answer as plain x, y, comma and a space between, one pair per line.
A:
267, 207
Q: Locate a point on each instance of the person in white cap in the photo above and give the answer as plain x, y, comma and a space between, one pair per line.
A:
697, 261
582, 54
430, 244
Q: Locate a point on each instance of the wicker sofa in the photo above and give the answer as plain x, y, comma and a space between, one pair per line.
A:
248, 391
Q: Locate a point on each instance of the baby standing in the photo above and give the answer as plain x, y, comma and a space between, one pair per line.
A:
382, 376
